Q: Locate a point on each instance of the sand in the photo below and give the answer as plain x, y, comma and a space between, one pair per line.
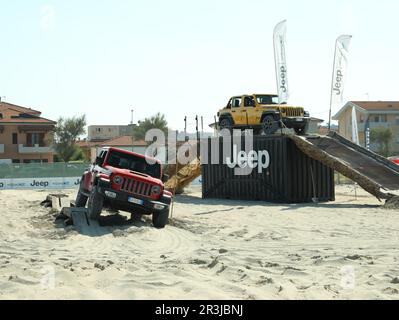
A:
213, 249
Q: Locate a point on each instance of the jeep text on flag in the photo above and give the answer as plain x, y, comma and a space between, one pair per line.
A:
339, 72
279, 39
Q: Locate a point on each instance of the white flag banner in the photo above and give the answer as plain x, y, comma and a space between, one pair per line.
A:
279, 39
355, 131
340, 66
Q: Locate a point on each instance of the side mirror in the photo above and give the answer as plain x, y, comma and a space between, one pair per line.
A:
165, 178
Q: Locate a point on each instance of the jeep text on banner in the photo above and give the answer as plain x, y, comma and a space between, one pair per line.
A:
39, 183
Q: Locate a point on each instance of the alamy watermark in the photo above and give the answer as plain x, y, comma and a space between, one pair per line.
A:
237, 150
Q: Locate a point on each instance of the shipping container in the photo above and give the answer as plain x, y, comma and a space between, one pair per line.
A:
290, 175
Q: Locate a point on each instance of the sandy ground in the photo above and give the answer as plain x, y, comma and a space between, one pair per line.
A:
213, 249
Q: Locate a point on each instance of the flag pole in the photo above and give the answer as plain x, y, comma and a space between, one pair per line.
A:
332, 84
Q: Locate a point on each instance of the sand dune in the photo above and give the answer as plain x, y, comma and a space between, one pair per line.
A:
212, 249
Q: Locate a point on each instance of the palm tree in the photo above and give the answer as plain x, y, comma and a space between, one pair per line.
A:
157, 121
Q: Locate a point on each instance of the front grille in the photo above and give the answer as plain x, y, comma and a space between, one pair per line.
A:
292, 112
136, 187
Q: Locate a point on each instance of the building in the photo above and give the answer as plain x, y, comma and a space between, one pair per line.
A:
91, 148
24, 135
107, 132
314, 125
377, 114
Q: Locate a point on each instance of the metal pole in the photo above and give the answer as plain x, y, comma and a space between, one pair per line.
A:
185, 128
202, 125
198, 135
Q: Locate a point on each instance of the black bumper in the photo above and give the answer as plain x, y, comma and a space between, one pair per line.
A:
295, 122
121, 201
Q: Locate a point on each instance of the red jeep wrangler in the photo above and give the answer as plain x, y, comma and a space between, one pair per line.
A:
127, 181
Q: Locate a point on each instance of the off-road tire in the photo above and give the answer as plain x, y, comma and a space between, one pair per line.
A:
269, 124
301, 131
225, 123
160, 219
81, 199
95, 204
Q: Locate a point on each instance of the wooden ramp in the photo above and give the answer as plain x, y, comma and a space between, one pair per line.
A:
81, 221
374, 173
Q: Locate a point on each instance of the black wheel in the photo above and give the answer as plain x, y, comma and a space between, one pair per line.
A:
300, 131
269, 124
95, 205
225, 123
81, 199
160, 219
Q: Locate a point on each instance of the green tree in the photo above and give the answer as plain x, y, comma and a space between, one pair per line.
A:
66, 133
157, 121
382, 137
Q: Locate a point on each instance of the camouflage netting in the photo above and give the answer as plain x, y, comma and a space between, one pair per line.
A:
338, 165
392, 204
184, 177
182, 174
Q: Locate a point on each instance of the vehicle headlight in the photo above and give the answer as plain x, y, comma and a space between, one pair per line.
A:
156, 190
118, 180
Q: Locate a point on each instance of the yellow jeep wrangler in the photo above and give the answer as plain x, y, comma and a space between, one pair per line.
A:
263, 114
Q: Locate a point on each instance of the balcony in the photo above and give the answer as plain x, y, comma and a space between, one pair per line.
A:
373, 125
35, 149
1, 148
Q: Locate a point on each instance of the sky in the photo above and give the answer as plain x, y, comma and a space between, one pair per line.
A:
187, 58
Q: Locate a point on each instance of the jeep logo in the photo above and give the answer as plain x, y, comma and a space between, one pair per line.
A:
283, 76
39, 184
338, 82
252, 159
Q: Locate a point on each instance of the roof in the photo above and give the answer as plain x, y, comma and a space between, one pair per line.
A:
6, 105
88, 144
124, 141
370, 107
27, 121
378, 105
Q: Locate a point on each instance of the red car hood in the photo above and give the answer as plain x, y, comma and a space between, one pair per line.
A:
134, 175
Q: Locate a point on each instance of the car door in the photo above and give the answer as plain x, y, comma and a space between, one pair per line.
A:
251, 112
238, 111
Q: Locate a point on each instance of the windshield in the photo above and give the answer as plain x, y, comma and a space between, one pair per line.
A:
125, 161
267, 99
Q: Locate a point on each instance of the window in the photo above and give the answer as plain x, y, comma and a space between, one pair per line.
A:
35, 138
34, 161
380, 118
15, 138
1, 116
361, 118
249, 102
229, 104
397, 121
16, 161
126, 161
236, 102
267, 99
